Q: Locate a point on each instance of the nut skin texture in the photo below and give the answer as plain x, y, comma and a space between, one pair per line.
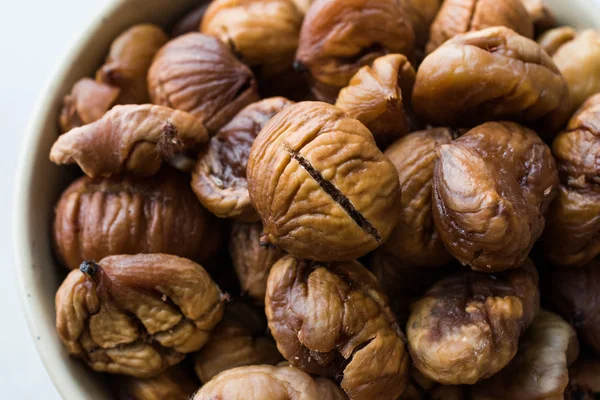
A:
467, 327
573, 293
322, 188
251, 260
572, 236
584, 379
333, 320
379, 96
237, 341
540, 368
130, 138
190, 22
98, 218
219, 176
415, 240
489, 75
88, 102
491, 190
176, 383
128, 61
421, 14
340, 36
197, 73
460, 16
553, 39
263, 32
542, 17
118, 320
579, 62
258, 382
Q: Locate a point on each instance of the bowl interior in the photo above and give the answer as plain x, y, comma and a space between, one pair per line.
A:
39, 182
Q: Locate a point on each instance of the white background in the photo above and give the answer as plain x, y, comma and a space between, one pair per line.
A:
33, 36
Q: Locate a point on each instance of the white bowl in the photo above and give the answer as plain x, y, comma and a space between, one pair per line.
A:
39, 182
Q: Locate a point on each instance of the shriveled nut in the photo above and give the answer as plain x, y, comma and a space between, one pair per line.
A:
421, 14
379, 96
467, 327
199, 74
263, 32
128, 61
190, 22
132, 138
176, 383
584, 379
252, 261
321, 186
333, 320
340, 36
137, 315
489, 75
572, 236
259, 382
237, 341
491, 189
219, 177
87, 102
415, 240
553, 39
543, 19
98, 218
573, 293
579, 62
540, 368
460, 16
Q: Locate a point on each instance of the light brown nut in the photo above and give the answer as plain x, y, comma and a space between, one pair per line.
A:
421, 14
259, 382
199, 74
219, 176
553, 39
542, 17
137, 315
87, 102
573, 293
379, 96
579, 62
415, 240
98, 218
540, 368
251, 260
176, 383
190, 21
132, 138
321, 186
237, 341
128, 61
491, 189
489, 75
340, 36
467, 327
263, 32
460, 16
333, 320
584, 379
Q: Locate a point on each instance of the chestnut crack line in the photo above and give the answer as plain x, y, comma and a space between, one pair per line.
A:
335, 194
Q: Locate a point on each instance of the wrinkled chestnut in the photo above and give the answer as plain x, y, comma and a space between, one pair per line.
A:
321, 186
98, 218
340, 36
137, 315
258, 382
251, 260
379, 96
553, 39
219, 177
460, 16
198, 74
237, 341
543, 19
491, 189
132, 138
128, 61
176, 383
489, 75
421, 14
467, 326
87, 102
333, 320
263, 32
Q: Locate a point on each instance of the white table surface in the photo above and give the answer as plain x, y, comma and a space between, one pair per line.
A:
33, 36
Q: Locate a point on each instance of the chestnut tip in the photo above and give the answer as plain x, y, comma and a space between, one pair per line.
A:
89, 269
